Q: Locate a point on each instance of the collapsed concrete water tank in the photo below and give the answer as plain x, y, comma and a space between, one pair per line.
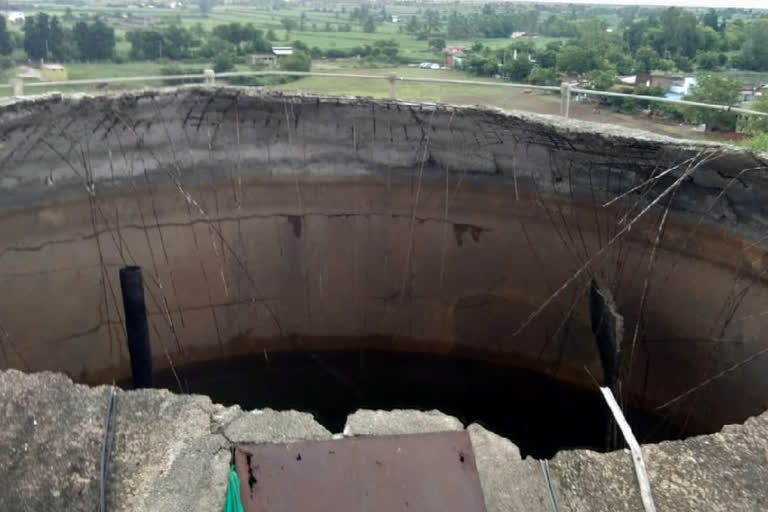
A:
268, 223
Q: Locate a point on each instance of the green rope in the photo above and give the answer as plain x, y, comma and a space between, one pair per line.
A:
233, 503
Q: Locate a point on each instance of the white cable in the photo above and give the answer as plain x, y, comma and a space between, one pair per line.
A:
634, 447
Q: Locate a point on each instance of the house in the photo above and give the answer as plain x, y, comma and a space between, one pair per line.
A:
53, 72
683, 87
265, 59
643, 79
395, 19
281, 51
269, 59
454, 50
674, 86
453, 55
628, 80
749, 92
516, 35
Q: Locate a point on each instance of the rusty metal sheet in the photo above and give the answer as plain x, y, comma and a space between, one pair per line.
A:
424, 473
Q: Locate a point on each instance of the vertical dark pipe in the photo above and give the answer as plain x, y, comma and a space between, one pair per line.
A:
132, 285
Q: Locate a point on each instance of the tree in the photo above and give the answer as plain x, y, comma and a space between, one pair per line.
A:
431, 21
646, 59
369, 26
43, 23
547, 59
751, 124
56, 44
575, 59
206, 6
101, 40
543, 76
437, 44
145, 44
413, 25
458, 26
708, 60
678, 32
5, 39
299, 61
518, 69
386, 47
754, 53
718, 90
80, 34
708, 39
683, 63
35, 38
289, 24
302, 20
223, 61
603, 79
177, 42
271, 35
68, 16
711, 19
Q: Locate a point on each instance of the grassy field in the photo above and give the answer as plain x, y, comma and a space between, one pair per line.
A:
507, 98
754, 77
410, 91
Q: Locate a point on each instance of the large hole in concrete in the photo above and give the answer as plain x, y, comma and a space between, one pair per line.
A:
539, 413
329, 254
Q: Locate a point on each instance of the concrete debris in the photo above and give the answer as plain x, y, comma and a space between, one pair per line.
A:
172, 452
266, 425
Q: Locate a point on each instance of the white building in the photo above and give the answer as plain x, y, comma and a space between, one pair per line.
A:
685, 86
13, 16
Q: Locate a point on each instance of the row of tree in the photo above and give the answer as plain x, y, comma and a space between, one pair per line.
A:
46, 37
672, 38
603, 54
176, 42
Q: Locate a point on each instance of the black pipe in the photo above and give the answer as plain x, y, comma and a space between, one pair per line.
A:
132, 285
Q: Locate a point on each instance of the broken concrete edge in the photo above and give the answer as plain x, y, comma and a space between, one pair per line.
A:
13, 106
522, 149
172, 452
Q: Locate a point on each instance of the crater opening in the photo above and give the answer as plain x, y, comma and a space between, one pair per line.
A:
539, 413
329, 254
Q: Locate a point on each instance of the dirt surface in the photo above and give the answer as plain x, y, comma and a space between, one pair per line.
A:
549, 104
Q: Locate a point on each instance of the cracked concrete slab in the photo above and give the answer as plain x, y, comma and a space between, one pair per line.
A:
719, 472
510, 483
50, 442
169, 452
172, 453
399, 422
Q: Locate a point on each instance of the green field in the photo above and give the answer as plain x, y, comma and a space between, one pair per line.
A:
267, 19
